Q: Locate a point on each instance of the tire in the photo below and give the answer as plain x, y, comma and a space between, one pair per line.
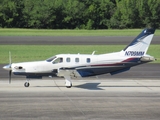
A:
69, 86
26, 84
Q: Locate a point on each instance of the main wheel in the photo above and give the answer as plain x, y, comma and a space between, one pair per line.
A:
26, 84
69, 86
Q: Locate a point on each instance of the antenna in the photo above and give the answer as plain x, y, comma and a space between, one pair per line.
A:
93, 52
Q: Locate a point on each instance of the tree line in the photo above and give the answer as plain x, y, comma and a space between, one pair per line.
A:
79, 14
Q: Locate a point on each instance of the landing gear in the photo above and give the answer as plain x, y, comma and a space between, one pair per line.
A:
68, 82
69, 86
26, 84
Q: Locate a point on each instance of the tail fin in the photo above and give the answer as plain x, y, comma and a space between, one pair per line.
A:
139, 46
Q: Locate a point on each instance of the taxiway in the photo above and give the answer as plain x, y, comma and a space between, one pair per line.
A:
70, 40
112, 99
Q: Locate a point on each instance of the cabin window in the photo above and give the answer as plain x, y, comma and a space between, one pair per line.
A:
58, 60
68, 60
88, 60
76, 60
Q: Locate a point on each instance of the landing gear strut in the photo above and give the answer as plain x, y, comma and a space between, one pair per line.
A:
68, 82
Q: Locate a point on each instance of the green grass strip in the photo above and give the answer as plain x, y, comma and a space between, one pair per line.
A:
21, 53
46, 32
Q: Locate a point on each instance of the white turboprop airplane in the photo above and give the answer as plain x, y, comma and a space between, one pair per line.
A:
72, 66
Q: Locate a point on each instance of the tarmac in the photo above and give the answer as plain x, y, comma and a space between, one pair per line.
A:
144, 71
70, 40
99, 99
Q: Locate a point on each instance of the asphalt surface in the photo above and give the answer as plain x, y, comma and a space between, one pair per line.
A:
147, 71
132, 95
67, 40
86, 100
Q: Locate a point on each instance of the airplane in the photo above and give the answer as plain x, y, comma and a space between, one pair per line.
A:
71, 66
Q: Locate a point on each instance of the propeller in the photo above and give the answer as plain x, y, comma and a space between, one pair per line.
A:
10, 63
9, 67
10, 72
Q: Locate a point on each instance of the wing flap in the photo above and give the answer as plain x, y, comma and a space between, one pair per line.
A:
68, 72
91, 71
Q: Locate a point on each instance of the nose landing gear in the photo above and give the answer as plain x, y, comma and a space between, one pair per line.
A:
26, 84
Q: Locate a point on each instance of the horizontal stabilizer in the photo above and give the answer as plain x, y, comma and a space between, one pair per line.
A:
147, 59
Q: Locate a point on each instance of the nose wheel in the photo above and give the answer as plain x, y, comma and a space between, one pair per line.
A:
26, 84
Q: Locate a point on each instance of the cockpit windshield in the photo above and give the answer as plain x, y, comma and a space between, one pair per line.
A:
51, 59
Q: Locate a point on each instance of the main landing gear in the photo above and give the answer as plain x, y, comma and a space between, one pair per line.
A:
68, 82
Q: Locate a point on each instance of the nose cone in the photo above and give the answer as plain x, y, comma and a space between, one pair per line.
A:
7, 67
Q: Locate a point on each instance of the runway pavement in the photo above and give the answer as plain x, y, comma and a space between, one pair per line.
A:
86, 100
70, 40
144, 71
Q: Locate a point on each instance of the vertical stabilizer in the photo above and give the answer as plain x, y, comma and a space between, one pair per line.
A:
139, 46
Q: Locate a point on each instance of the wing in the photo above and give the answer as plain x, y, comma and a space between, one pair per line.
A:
85, 71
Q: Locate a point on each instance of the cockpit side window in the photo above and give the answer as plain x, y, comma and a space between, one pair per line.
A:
51, 59
58, 60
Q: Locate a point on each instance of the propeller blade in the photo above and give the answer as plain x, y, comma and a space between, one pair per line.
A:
10, 60
10, 63
10, 72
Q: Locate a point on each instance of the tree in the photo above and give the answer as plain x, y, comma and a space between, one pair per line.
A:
79, 14
149, 13
74, 14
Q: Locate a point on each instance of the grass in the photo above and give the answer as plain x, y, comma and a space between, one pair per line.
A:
21, 53
49, 32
